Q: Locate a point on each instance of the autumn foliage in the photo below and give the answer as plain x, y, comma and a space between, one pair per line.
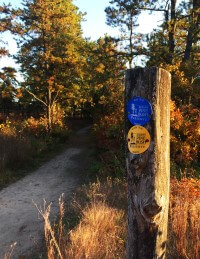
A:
185, 133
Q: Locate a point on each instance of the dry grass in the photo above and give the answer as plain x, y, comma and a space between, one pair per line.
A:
22, 146
194, 234
14, 151
54, 235
184, 223
8, 255
99, 234
14, 147
101, 231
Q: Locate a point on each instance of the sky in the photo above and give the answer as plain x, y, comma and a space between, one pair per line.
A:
94, 26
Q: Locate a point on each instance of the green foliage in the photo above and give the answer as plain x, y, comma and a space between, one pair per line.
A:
49, 50
8, 89
101, 85
124, 14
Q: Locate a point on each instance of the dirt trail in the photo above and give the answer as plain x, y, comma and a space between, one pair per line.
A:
19, 219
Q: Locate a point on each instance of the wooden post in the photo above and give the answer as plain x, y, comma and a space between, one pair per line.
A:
148, 173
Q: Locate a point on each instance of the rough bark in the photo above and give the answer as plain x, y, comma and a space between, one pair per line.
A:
148, 173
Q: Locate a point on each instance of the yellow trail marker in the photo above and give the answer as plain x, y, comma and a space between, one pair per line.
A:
138, 139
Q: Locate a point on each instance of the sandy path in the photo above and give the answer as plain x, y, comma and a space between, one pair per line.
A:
19, 220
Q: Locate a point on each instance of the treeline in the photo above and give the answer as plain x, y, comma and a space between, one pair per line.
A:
62, 70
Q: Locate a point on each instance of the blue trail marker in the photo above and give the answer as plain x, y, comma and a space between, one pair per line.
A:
139, 111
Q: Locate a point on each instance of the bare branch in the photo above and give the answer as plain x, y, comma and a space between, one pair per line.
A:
55, 98
152, 9
36, 97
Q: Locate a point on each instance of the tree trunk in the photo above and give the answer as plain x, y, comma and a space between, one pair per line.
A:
172, 31
193, 30
49, 111
148, 173
130, 60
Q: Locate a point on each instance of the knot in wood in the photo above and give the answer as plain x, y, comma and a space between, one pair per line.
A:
152, 209
152, 212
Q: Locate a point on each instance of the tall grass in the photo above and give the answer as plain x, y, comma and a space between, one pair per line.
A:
54, 235
15, 148
101, 230
14, 152
184, 223
23, 140
99, 234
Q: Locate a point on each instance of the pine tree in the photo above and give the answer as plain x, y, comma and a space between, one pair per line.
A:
8, 80
124, 14
5, 23
178, 36
193, 34
49, 49
103, 77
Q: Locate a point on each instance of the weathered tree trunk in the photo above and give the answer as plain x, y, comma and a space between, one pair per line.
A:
148, 173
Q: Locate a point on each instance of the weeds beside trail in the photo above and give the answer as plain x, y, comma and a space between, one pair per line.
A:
24, 143
99, 234
95, 223
101, 228
184, 219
